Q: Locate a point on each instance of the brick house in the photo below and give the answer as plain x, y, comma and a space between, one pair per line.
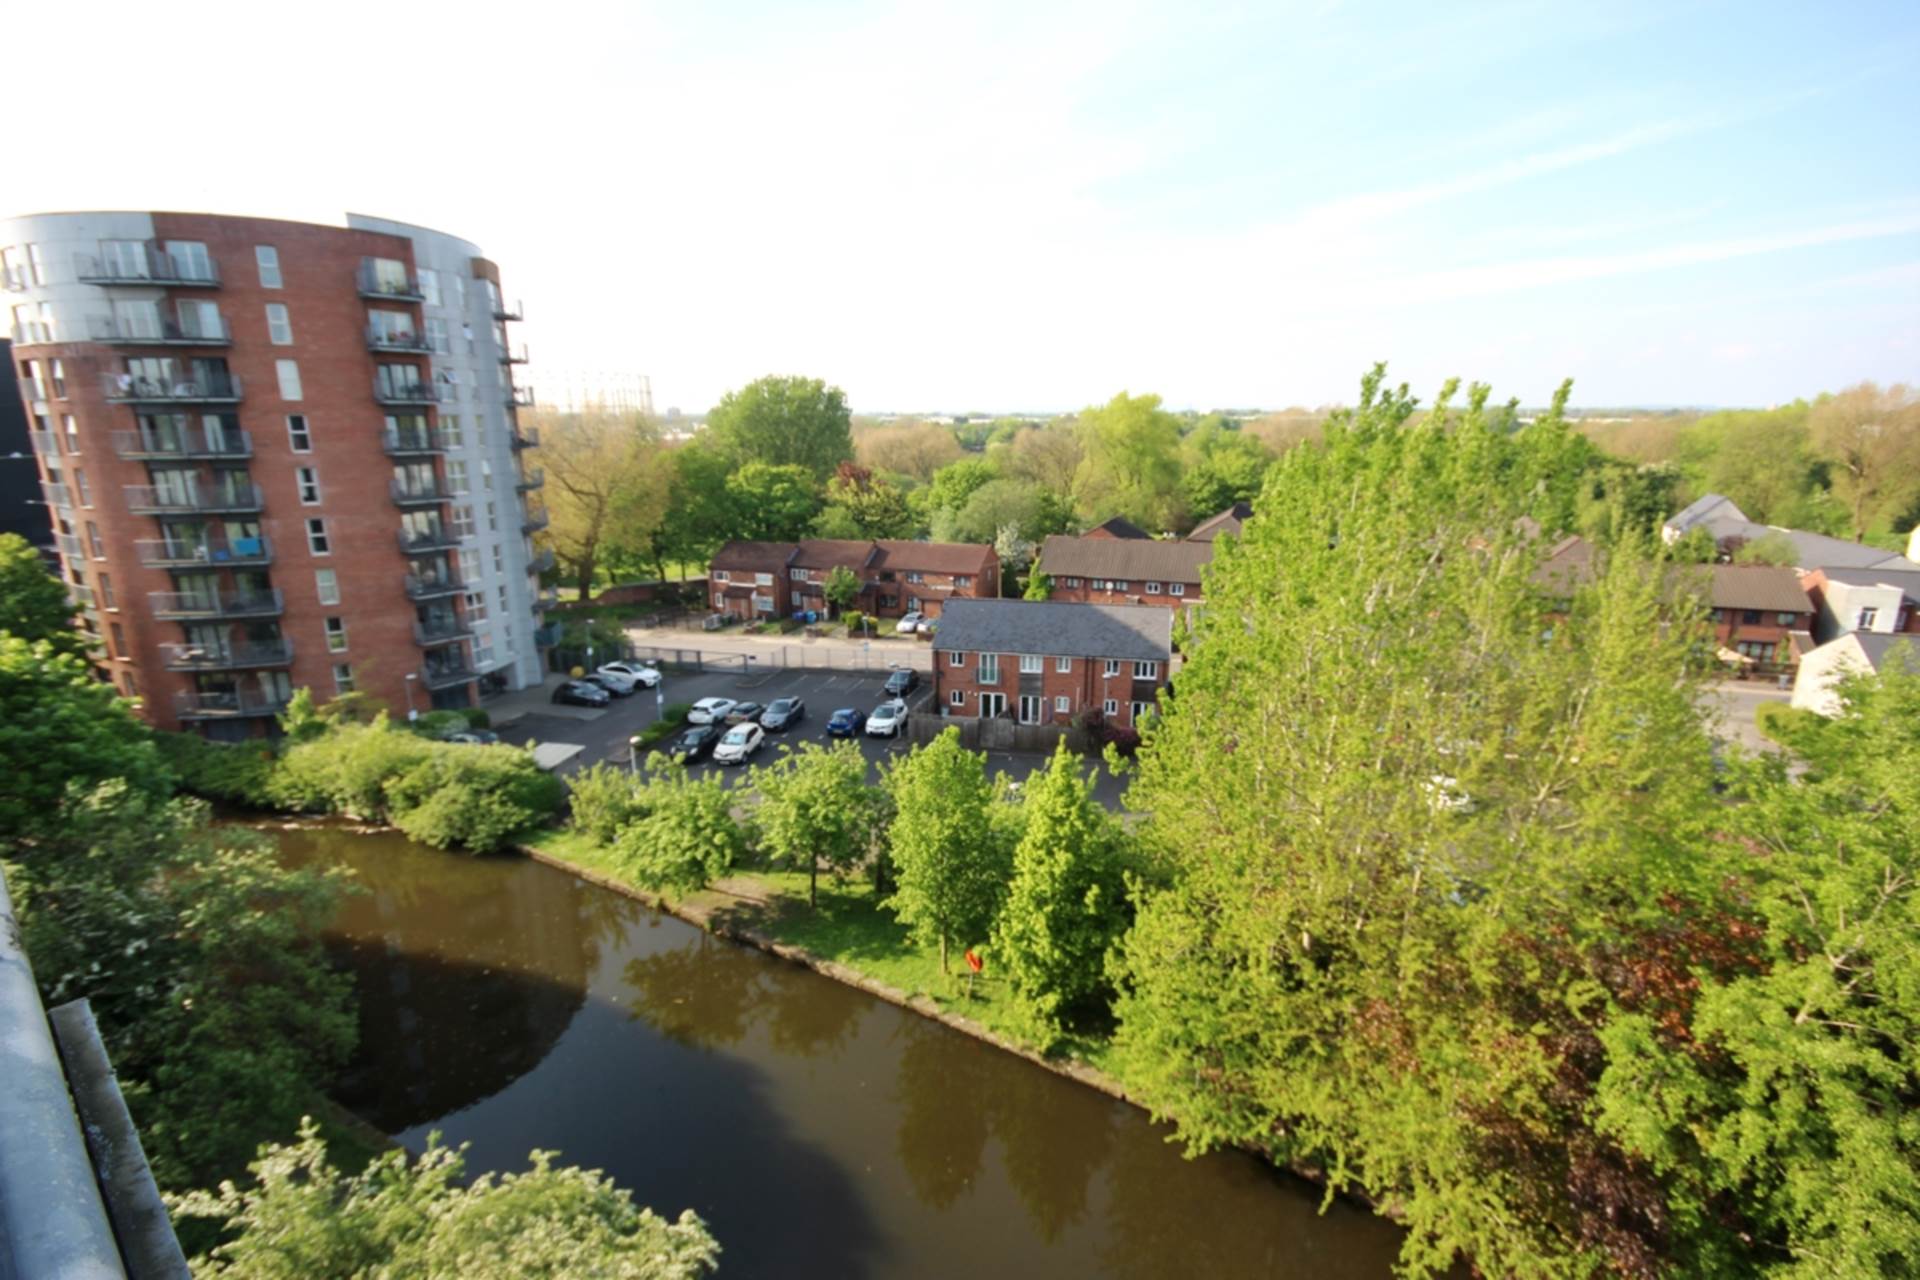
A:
778, 579
1118, 527
1756, 609
1044, 663
1124, 571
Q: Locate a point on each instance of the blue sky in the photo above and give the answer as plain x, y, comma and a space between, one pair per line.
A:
1034, 206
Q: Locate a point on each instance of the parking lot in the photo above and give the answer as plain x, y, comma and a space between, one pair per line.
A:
605, 733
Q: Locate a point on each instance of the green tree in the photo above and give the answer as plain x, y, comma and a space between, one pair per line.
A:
300, 1217
1039, 585
1773, 547
870, 507
784, 422
685, 836
841, 586
60, 727
1224, 465
33, 603
815, 807
1131, 463
1067, 903
700, 512
607, 489
772, 503
1872, 437
952, 485
950, 856
1029, 511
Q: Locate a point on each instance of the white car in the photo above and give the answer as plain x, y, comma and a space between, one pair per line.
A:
911, 623
710, 710
638, 672
616, 681
887, 719
741, 741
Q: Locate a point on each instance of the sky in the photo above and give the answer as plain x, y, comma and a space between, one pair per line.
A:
1031, 207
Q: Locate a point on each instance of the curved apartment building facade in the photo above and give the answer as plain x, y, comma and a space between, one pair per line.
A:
278, 455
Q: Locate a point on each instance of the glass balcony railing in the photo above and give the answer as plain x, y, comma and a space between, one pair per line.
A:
379, 339
44, 443
531, 478
391, 391
519, 397
429, 586
27, 333
509, 355
534, 521
70, 546
192, 553
374, 283
444, 675
216, 604
409, 493
148, 266
501, 311
526, 438
160, 331
137, 445
441, 629
226, 657
215, 388
404, 440
57, 495
146, 500
419, 543
542, 562
231, 705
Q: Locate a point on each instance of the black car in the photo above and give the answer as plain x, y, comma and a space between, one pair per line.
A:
902, 682
581, 694
614, 688
782, 714
743, 712
846, 722
696, 743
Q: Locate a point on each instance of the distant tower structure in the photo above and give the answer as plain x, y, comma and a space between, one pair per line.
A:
574, 390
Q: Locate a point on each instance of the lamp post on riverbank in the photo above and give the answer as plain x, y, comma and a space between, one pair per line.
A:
633, 755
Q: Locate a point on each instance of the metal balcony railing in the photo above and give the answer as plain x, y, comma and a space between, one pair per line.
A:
70, 546
441, 630
520, 397
228, 706
443, 675
409, 493
526, 438
372, 284
387, 391
137, 445
441, 539
542, 562
81, 595
531, 478
226, 657
150, 267
534, 521
503, 312
509, 355
44, 443
34, 389
432, 586
545, 600
404, 440
411, 341
159, 331
187, 553
146, 500
221, 388
57, 495
223, 604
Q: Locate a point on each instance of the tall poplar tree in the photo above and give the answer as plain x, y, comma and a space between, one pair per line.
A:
950, 851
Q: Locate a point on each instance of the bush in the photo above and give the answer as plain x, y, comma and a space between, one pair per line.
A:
787, 626
241, 773
471, 796
477, 718
439, 724
605, 799
346, 770
1789, 726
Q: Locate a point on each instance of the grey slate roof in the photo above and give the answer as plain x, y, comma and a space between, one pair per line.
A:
1143, 632
1874, 646
1758, 586
1712, 510
1230, 521
1124, 559
1723, 519
1117, 527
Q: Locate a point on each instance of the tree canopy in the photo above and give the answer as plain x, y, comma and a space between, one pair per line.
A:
784, 421
33, 603
608, 489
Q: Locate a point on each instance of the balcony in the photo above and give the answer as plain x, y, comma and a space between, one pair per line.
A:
34, 389
191, 606
441, 630
145, 500
509, 356
388, 392
502, 312
533, 478
544, 600
419, 544
82, 597
519, 397
401, 441
534, 521
433, 586
526, 438
387, 288
206, 389
184, 553
444, 675
417, 493
151, 268
226, 657
30, 332
57, 495
70, 546
14, 279
411, 343
235, 705
542, 562
159, 331
45, 444
141, 445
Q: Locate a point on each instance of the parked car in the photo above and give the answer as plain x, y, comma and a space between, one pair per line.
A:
742, 740
902, 682
743, 712
887, 719
709, 710
639, 672
579, 693
782, 714
618, 686
695, 744
474, 737
846, 722
911, 623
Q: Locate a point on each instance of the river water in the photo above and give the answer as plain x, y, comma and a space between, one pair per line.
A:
819, 1131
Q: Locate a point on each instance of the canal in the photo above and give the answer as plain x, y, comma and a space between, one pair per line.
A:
818, 1130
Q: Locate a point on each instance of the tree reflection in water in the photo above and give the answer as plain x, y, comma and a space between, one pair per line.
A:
942, 1096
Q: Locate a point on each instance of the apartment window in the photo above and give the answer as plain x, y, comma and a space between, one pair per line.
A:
1029, 664
267, 258
989, 668
317, 538
127, 683
119, 634
1146, 671
1113, 667
1869, 614
476, 606
486, 472
86, 490
1176, 588
483, 652
1110, 707
336, 635
957, 698
1063, 664
95, 542
1062, 706
343, 677
308, 481
288, 371
279, 325
955, 658
326, 585
453, 430
499, 561
430, 286
503, 598
72, 430
107, 600
719, 575
463, 521
493, 517
57, 370
36, 264
469, 564
189, 258
437, 336
299, 439
456, 476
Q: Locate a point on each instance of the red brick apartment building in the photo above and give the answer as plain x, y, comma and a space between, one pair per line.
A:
277, 455
1044, 663
778, 579
1117, 563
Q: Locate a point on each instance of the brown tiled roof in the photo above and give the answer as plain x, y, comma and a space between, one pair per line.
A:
761, 557
1230, 521
824, 553
1569, 565
933, 557
1758, 586
1124, 559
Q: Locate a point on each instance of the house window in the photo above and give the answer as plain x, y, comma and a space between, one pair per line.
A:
1869, 614
1153, 588
299, 439
1176, 588
915, 577
1029, 664
1786, 619
1063, 664
1139, 711
989, 668
961, 582
307, 479
279, 326
762, 579
317, 538
1750, 616
1719, 615
1110, 707
955, 658
1113, 667
1146, 671
336, 635
343, 677
957, 698
326, 586
288, 371
1062, 705
992, 705
797, 575
719, 575
267, 258
1069, 582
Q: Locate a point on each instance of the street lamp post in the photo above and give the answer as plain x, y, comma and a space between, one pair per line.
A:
633, 755
412, 714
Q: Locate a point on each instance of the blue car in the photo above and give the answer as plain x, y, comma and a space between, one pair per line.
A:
846, 723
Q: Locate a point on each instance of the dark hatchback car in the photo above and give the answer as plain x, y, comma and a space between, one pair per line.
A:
782, 714
847, 722
581, 694
902, 682
696, 743
614, 688
743, 712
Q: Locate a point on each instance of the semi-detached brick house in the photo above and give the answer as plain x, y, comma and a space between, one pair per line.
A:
778, 579
1045, 663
